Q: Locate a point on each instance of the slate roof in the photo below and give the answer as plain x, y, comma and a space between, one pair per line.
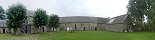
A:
30, 13
3, 23
118, 19
82, 19
102, 20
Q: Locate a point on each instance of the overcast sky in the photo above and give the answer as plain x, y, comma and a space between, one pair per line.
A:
97, 8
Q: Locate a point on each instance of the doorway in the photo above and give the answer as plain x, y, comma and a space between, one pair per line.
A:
95, 28
75, 26
3, 30
43, 29
84, 28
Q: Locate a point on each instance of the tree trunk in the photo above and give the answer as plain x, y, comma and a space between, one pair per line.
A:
9, 30
49, 29
39, 29
18, 31
15, 31
35, 30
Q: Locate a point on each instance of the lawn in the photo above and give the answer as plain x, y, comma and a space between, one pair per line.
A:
82, 35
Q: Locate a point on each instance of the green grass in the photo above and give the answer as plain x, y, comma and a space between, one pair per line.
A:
82, 35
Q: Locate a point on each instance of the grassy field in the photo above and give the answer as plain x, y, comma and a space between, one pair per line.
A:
82, 35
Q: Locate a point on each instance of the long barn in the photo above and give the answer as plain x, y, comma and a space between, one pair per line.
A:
82, 23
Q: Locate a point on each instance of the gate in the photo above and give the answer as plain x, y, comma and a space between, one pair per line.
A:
26, 29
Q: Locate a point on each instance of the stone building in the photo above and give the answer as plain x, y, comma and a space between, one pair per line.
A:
118, 24
27, 28
29, 25
82, 23
3, 27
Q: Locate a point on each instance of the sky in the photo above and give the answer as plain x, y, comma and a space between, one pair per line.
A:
96, 8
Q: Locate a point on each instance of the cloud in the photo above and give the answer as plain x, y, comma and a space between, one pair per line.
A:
71, 8
98, 8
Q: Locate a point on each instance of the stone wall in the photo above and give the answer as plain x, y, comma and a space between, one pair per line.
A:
115, 27
79, 26
3, 30
101, 26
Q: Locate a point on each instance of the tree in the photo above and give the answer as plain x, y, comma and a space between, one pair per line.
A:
2, 13
16, 15
40, 18
151, 15
137, 9
53, 21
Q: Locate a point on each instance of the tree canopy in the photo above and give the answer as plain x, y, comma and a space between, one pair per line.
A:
53, 21
40, 18
2, 13
151, 15
138, 11
16, 15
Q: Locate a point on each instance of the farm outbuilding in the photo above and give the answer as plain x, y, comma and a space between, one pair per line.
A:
29, 25
27, 28
118, 24
3, 27
82, 23
115, 24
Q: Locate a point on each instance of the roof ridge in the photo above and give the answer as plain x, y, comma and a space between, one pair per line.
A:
120, 15
85, 16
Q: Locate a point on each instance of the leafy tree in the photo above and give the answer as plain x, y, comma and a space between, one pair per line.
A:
151, 15
2, 13
53, 21
16, 15
40, 18
137, 9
